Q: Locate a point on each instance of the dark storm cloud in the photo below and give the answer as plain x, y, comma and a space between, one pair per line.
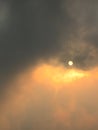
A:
32, 32
41, 29
82, 46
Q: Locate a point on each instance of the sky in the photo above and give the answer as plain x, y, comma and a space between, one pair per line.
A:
38, 89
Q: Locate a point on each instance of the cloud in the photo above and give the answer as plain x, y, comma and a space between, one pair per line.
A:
42, 30
32, 33
46, 104
36, 31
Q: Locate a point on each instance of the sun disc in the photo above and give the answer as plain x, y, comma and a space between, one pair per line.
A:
70, 63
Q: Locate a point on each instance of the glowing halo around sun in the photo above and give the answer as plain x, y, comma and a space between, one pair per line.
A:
57, 74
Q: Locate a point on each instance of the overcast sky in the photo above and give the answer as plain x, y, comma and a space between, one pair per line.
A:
50, 32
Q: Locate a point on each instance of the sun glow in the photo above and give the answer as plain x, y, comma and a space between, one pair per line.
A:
59, 75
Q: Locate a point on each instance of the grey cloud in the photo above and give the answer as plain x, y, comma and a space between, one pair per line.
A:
82, 46
33, 33
41, 30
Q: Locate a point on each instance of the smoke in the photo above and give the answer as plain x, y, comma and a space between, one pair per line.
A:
34, 31
38, 102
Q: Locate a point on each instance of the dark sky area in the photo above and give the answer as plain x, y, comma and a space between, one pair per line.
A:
41, 29
38, 31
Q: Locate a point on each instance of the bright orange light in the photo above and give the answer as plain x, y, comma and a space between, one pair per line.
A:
52, 74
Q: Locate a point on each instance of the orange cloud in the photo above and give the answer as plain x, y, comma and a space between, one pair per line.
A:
51, 97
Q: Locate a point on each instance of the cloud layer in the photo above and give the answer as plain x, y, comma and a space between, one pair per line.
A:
48, 31
43, 103
41, 30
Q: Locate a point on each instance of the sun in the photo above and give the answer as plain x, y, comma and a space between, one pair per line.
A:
70, 63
